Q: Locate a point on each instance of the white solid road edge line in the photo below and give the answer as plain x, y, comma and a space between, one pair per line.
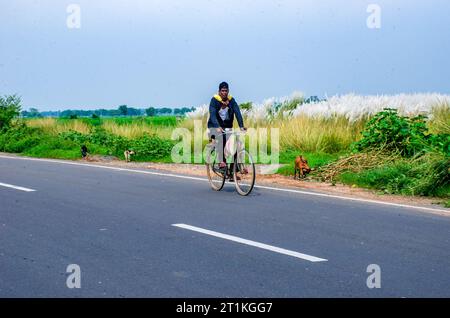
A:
6, 185
355, 199
251, 243
256, 186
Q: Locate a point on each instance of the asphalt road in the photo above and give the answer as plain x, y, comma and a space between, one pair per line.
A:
118, 227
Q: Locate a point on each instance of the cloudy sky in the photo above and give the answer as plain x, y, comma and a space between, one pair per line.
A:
175, 52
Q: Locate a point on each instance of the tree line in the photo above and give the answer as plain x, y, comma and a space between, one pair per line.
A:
122, 110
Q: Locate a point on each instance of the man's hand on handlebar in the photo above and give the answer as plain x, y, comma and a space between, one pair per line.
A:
222, 131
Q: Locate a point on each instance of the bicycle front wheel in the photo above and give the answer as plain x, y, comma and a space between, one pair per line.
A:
216, 176
244, 173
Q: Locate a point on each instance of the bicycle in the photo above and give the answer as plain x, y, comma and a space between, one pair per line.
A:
243, 167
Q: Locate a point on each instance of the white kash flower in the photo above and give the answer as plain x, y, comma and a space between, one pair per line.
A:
355, 107
199, 112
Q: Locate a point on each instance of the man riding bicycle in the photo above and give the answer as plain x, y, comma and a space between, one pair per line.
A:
222, 109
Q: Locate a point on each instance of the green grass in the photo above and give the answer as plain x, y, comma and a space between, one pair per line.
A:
39, 142
50, 147
57, 149
447, 204
424, 176
315, 160
387, 178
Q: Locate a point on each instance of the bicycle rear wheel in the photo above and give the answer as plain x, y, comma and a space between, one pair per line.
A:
216, 175
244, 173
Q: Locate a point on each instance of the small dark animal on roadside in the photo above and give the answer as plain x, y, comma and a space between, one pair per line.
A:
84, 151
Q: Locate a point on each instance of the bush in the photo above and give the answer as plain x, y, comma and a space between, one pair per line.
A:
392, 132
151, 146
441, 143
9, 109
74, 136
146, 147
51, 147
19, 138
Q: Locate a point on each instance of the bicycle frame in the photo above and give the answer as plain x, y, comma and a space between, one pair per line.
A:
230, 149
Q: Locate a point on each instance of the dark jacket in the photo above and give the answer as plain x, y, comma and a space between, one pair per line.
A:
215, 121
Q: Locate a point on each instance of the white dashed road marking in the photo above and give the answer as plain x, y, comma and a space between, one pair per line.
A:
251, 243
6, 185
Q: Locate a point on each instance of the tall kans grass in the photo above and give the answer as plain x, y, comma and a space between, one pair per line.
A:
54, 126
329, 135
439, 122
303, 133
128, 127
332, 125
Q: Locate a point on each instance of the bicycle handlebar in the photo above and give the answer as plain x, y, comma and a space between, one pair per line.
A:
233, 132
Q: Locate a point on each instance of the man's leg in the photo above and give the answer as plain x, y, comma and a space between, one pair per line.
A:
222, 159
220, 141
